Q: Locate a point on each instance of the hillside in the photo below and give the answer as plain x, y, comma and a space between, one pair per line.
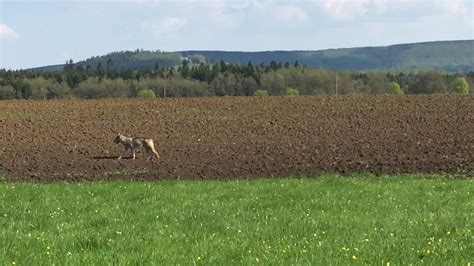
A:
451, 56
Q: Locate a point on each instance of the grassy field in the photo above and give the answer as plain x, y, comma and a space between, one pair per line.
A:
324, 220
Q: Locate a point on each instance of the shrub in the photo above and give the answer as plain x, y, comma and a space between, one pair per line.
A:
395, 88
260, 93
461, 85
147, 94
292, 92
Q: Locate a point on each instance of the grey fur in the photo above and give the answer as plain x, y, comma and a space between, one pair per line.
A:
135, 143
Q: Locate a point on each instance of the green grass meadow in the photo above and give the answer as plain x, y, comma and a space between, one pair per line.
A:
326, 220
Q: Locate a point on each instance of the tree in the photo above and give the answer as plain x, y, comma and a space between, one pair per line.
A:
378, 83
69, 65
7, 92
39, 87
156, 69
89, 71
428, 82
185, 70
249, 85
139, 74
249, 70
216, 70
109, 66
22, 89
127, 74
274, 65
100, 71
171, 72
201, 73
223, 66
274, 83
316, 81
226, 84
461, 85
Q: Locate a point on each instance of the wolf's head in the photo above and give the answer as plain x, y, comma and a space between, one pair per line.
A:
118, 138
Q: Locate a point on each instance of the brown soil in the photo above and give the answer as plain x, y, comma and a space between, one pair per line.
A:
238, 137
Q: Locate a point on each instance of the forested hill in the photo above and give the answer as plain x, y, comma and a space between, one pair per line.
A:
451, 56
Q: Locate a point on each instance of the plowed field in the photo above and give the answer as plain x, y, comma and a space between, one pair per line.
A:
224, 138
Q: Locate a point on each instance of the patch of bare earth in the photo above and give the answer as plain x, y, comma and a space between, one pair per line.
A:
238, 137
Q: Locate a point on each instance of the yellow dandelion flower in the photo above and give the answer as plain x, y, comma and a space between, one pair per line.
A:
388, 263
354, 257
47, 247
13, 263
257, 259
199, 258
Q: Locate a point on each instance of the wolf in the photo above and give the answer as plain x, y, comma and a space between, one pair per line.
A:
135, 143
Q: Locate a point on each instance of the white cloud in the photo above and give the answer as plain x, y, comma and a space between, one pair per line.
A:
457, 10
454, 7
165, 27
223, 16
344, 9
172, 24
352, 9
290, 14
7, 33
382, 6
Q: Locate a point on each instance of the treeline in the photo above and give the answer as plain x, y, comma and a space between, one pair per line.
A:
221, 79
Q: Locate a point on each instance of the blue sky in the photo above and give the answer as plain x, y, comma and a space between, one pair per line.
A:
38, 33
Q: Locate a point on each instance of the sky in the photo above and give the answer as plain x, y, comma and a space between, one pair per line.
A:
37, 33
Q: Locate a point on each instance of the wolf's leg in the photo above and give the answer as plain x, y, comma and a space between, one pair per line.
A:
124, 152
148, 152
133, 153
154, 152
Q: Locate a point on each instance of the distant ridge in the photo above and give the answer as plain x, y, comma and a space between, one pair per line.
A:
450, 56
